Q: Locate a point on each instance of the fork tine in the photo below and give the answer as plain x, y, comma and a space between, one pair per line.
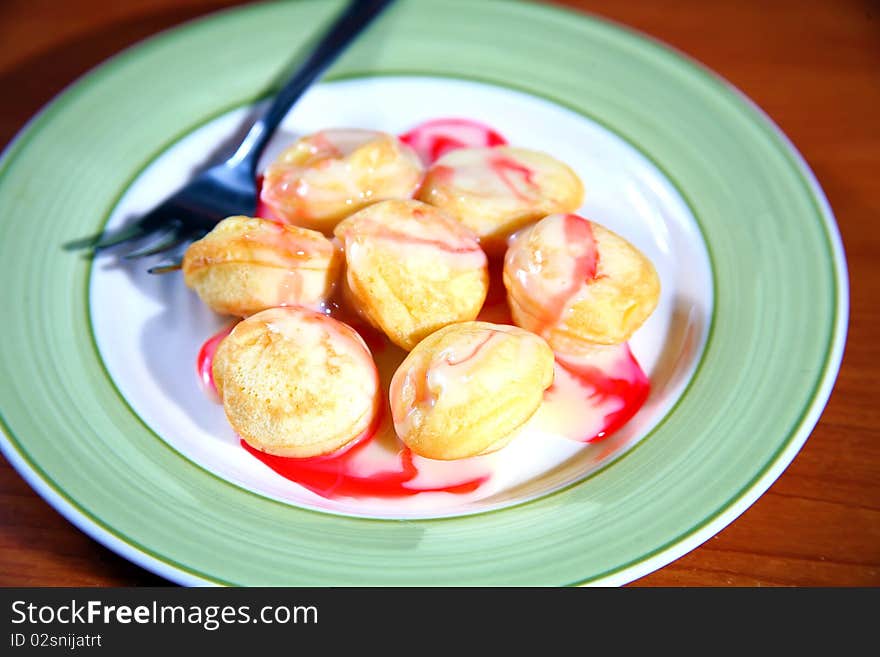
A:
105, 240
130, 233
165, 267
149, 223
167, 240
174, 255
81, 243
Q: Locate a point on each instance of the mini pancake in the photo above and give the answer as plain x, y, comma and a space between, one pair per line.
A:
330, 174
576, 283
466, 389
246, 265
411, 270
296, 383
496, 191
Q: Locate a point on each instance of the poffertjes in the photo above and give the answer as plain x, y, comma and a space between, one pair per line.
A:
330, 174
246, 265
296, 383
496, 191
576, 283
466, 389
411, 270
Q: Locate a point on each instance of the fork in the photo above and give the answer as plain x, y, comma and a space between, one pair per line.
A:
230, 187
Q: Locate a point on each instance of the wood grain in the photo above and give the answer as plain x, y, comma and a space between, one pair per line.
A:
814, 67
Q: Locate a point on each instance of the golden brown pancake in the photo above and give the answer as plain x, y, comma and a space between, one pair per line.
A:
466, 389
576, 283
496, 191
411, 270
330, 174
296, 383
246, 265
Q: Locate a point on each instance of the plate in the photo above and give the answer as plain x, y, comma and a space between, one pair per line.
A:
743, 351
147, 328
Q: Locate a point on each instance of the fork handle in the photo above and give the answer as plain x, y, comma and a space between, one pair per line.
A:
350, 23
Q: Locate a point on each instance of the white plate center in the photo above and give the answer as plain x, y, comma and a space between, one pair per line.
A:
149, 328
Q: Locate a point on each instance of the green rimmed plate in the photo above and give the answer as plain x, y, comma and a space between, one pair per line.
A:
760, 376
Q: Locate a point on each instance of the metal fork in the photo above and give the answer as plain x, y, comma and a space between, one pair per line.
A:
230, 188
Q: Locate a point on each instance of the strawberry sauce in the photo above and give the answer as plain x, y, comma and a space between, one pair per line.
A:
614, 392
205, 359
337, 476
517, 177
434, 139
263, 210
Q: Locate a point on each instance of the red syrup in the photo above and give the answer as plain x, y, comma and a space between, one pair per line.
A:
205, 359
367, 467
623, 385
263, 210
508, 171
337, 475
433, 139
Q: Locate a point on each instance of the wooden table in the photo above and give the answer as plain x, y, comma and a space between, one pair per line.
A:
814, 67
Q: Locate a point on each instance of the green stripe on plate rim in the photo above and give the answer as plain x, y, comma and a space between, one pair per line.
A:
833, 332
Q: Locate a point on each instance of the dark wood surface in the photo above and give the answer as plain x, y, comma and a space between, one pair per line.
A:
814, 67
